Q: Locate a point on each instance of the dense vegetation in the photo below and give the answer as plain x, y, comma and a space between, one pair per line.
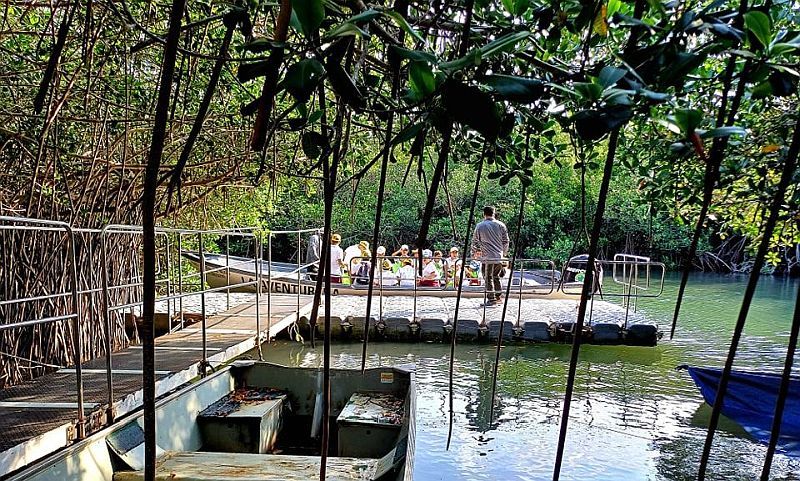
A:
622, 125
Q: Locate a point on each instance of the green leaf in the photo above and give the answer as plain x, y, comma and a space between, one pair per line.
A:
516, 7
609, 76
344, 86
675, 72
365, 16
417, 55
258, 45
503, 43
515, 89
781, 48
345, 29
688, 120
759, 24
315, 116
468, 60
408, 133
249, 71
473, 107
723, 132
588, 91
302, 78
313, 144
421, 78
310, 14
403, 24
594, 124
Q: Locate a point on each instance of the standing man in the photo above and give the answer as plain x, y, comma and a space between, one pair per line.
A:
490, 243
336, 258
312, 254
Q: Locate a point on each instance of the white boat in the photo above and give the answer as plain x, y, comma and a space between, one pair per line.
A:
281, 277
257, 421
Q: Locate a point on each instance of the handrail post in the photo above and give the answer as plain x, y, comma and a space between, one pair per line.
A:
259, 280
269, 289
180, 277
77, 341
521, 278
298, 276
228, 270
414, 317
204, 360
107, 320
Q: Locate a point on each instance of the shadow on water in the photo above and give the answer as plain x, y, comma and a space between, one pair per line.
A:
634, 416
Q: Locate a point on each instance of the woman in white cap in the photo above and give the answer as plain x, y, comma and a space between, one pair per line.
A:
430, 274
401, 252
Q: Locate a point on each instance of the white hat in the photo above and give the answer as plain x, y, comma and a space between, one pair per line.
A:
427, 254
381, 250
404, 246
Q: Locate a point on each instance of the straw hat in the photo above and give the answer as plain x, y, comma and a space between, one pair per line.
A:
336, 238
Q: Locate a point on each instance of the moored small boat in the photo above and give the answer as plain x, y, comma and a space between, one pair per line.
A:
750, 400
255, 420
282, 277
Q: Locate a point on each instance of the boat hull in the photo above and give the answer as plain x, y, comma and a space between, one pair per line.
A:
750, 400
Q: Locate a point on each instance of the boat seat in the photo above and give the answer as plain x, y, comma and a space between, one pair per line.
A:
210, 466
369, 424
247, 420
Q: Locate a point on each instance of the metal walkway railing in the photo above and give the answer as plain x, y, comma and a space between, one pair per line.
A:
175, 283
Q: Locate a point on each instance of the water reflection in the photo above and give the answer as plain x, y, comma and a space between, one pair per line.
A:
634, 416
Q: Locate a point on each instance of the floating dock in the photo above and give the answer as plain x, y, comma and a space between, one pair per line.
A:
398, 318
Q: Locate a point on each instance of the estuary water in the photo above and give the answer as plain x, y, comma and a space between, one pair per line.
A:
634, 417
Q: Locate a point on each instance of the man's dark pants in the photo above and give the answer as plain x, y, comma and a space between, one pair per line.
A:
491, 272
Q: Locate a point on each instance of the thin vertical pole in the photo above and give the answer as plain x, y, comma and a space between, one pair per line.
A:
519, 304
169, 283
77, 338
204, 361
298, 277
228, 270
269, 289
414, 317
586, 291
107, 322
180, 277
258, 299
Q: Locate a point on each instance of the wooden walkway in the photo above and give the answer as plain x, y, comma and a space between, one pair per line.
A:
38, 417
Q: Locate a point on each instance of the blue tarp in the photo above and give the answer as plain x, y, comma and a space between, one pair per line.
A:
750, 401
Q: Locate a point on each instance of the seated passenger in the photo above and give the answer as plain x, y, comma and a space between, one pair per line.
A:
382, 260
406, 274
472, 273
452, 266
353, 256
437, 261
430, 274
401, 252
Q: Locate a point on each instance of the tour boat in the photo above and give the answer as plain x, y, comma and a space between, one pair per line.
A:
222, 270
255, 420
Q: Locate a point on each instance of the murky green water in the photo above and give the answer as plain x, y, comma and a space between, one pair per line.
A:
634, 417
